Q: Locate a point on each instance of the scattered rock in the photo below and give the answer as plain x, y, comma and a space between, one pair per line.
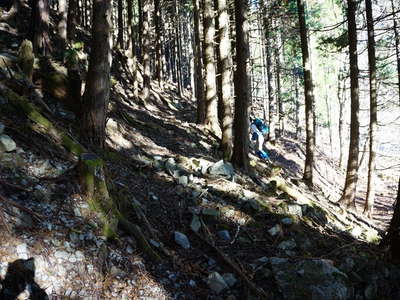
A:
277, 229
183, 180
216, 282
182, 240
230, 279
22, 251
287, 245
224, 235
7, 144
287, 221
315, 279
222, 168
195, 224
295, 210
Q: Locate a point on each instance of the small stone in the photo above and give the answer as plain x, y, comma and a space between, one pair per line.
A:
222, 168
277, 229
216, 282
22, 251
295, 210
7, 144
224, 235
287, 221
155, 243
195, 224
182, 240
230, 279
61, 255
77, 212
129, 249
287, 245
183, 180
192, 283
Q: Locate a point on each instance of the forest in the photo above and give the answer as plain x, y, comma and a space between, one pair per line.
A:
199, 149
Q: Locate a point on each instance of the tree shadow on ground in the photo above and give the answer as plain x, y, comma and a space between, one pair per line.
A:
20, 276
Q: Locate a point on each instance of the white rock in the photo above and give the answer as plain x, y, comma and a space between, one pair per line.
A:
7, 144
216, 282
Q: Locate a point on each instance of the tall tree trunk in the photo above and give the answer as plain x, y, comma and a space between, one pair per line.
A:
392, 237
146, 49
140, 30
297, 105
226, 67
369, 203
130, 31
309, 97
397, 44
97, 91
72, 22
341, 99
271, 99
62, 24
120, 38
211, 118
240, 155
39, 29
278, 84
159, 40
199, 84
349, 192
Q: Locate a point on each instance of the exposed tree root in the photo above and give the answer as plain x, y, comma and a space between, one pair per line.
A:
92, 177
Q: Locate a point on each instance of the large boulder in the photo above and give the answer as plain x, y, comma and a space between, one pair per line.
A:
309, 279
222, 168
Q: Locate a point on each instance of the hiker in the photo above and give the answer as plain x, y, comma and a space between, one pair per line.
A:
258, 129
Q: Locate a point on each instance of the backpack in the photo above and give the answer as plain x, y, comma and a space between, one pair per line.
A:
261, 126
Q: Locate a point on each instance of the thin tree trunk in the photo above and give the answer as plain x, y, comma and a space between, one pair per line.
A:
369, 203
241, 121
62, 24
120, 38
328, 109
297, 104
158, 28
226, 67
271, 99
211, 118
39, 29
199, 84
146, 50
72, 22
341, 96
397, 44
349, 192
140, 30
97, 91
309, 97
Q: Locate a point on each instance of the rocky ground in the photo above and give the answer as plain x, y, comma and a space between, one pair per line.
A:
221, 234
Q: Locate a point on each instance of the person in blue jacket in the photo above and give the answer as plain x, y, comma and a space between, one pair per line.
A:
258, 129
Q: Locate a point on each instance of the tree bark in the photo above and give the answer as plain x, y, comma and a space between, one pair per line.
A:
97, 91
271, 99
309, 97
349, 192
211, 117
240, 156
369, 203
199, 83
397, 44
341, 99
226, 67
39, 29
146, 49
159, 68
392, 237
71, 21
62, 24
120, 38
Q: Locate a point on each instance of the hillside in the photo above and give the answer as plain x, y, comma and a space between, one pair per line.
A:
220, 234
